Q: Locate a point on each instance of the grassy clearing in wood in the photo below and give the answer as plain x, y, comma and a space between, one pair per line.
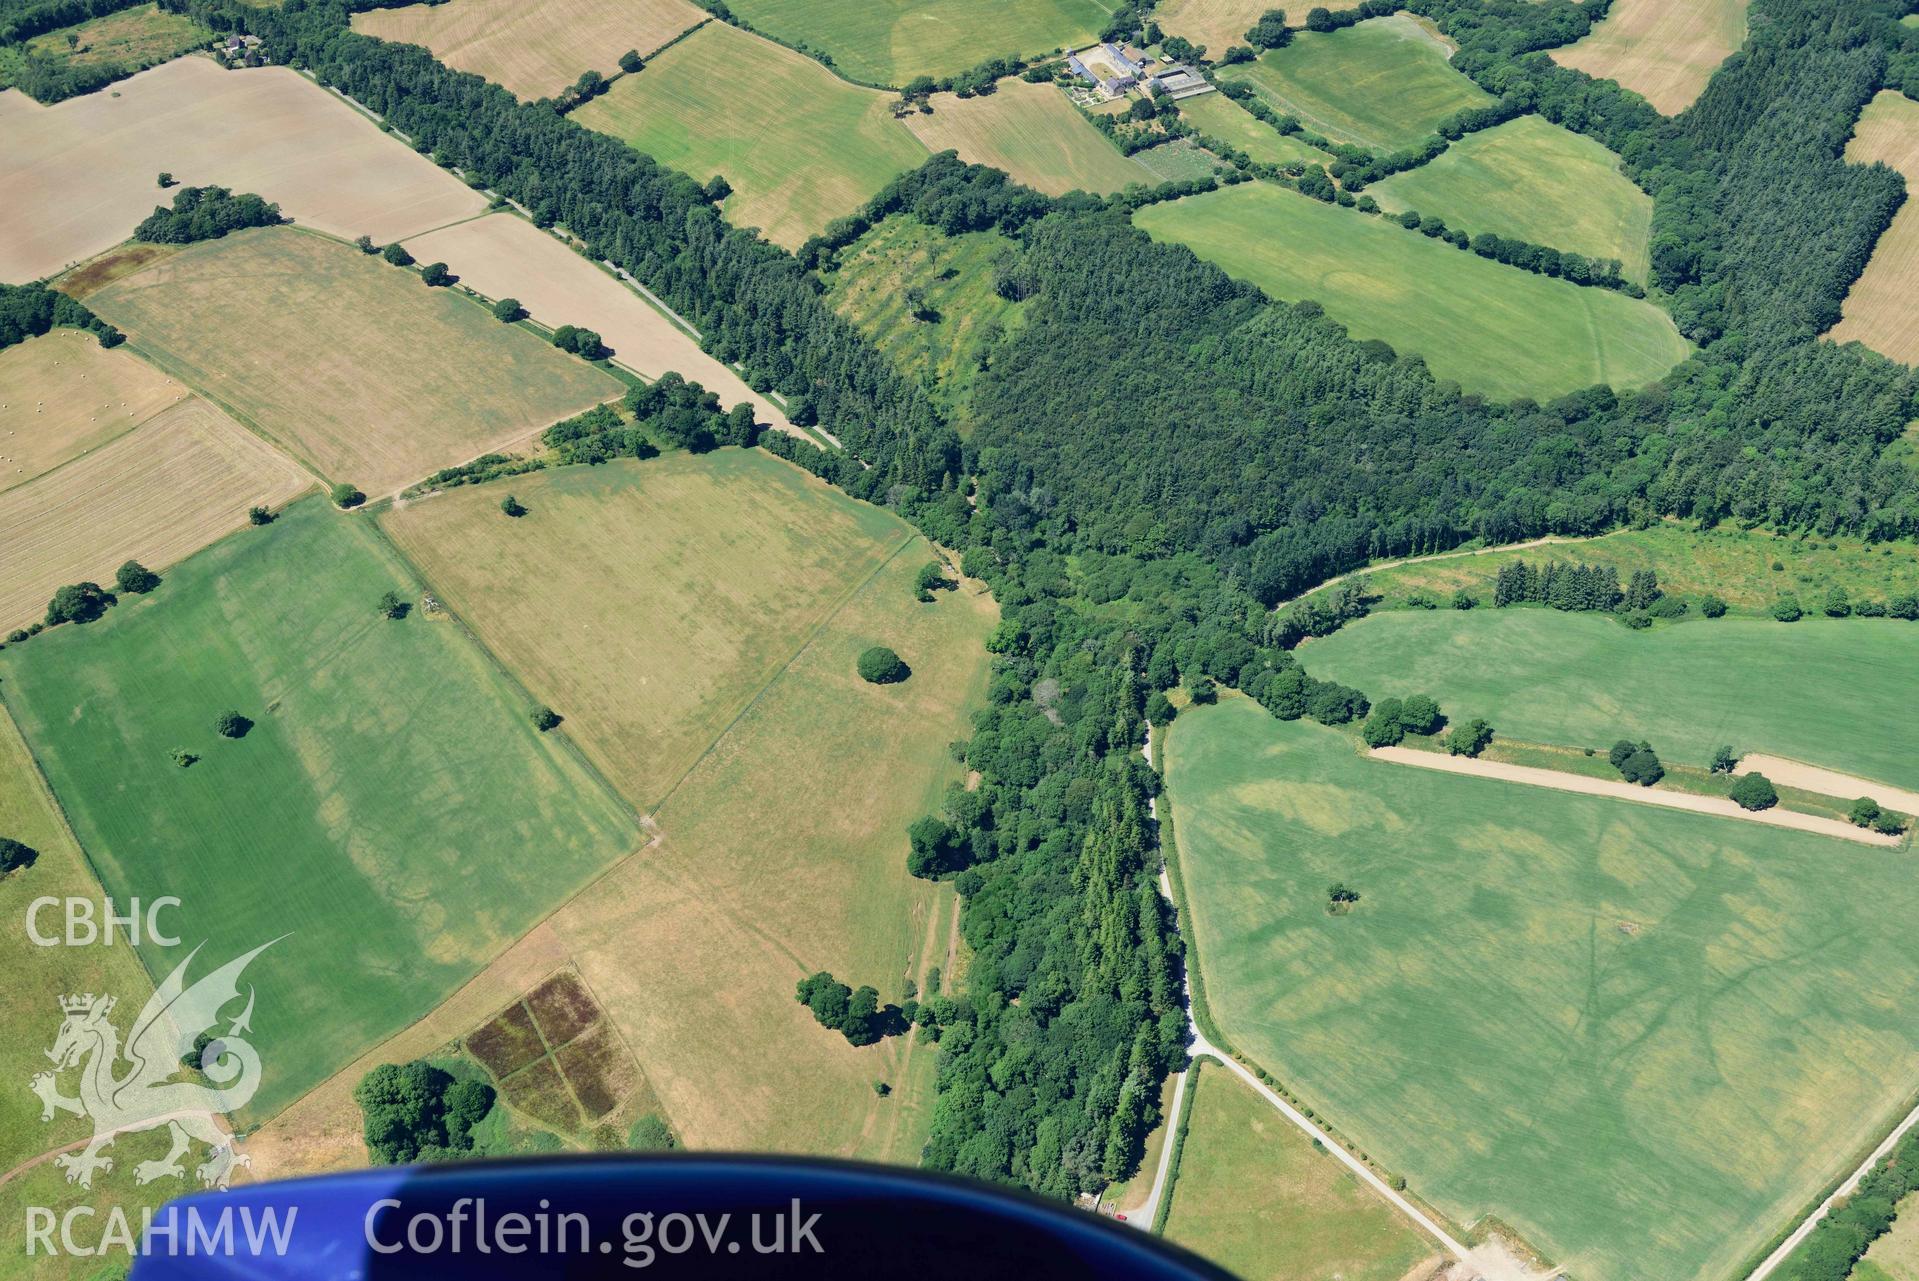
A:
1218, 117
1882, 311
80, 175
1894, 1256
1696, 1023
1383, 84
1033, 133
504, 256
1256, 1196
799, 145
534, 50
1664, 50
1734, 564
949, 344
391, 811
132, 39
1835, 691
891, 41
1494, 329
63, 394
353, 365
1532, 180
156, 495
647, 602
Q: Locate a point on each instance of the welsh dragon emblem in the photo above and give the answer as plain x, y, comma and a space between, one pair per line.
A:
139, 1086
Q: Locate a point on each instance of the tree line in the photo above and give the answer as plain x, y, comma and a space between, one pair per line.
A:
205, 213
28, 311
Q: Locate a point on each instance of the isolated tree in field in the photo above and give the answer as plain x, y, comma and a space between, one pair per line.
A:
259, 516
366, 245
545, 718
1712, 606
182, 757
77, 603
917, 306
931, 578
396, 254
508, 310
1636, 762
1271, 31
512, 507
436, 275
347, 496
165, 180
1888, 823
881, 666
1470, 738
136, 578
630, 61
15, 855
1340, 898
393, 606
1755, 792
1724, 760
1865, 812
230, 724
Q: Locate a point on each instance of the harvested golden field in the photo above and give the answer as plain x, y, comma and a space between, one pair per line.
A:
353, 365
534, 49
1882, 311
79, 175
1664, 50
156, 496
63, 394
1033, 133
1221, 24
504, 256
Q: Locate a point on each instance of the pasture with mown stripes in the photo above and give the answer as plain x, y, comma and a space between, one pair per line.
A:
1032, 133
1642, 1038
1494, 329
389, 813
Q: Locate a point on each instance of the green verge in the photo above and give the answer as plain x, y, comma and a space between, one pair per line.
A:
1641, 1037
1828, 692
892, 41
1531, 180
1495, 329
1383, 84
799, 146
392, 818
1257, 1197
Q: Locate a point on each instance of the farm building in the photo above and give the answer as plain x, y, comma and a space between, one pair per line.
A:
1108, 67
1176, 81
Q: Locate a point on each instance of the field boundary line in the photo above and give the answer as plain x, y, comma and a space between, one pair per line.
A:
1845, 1188
805, 644
1379, 567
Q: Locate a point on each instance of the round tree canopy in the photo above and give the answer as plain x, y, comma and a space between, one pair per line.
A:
881, 666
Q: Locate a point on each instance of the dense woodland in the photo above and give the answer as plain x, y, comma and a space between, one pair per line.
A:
27, 311
1161, 453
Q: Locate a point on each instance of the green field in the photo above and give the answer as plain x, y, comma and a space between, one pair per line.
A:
1383, 84
685, 583
1643, 1038
1532, 180
1735, 564
1831, 693
1033, 133
1495, 329
799, 146
891, 41
1256, 1197
965, 318
1219, 117
392, 811
132, 40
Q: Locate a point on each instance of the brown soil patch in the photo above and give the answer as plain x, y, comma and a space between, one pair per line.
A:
599, 1069
540, 1092
562, 1007
508, 1043
91, 277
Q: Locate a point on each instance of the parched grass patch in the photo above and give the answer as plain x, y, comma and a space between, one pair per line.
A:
1894, 1256
1663, 50
1218, 117
1643, 1038
783, 853
1532, 180
1220, 24
648, 603
1180, 160
63, 395
891, 41
951, 342
80, 175
1494, 329
352, 365
1255, 1196
799, 146
157, 495
391, 812
1383, 84
1882, 310
1827, 692
534, 50
1033, 133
